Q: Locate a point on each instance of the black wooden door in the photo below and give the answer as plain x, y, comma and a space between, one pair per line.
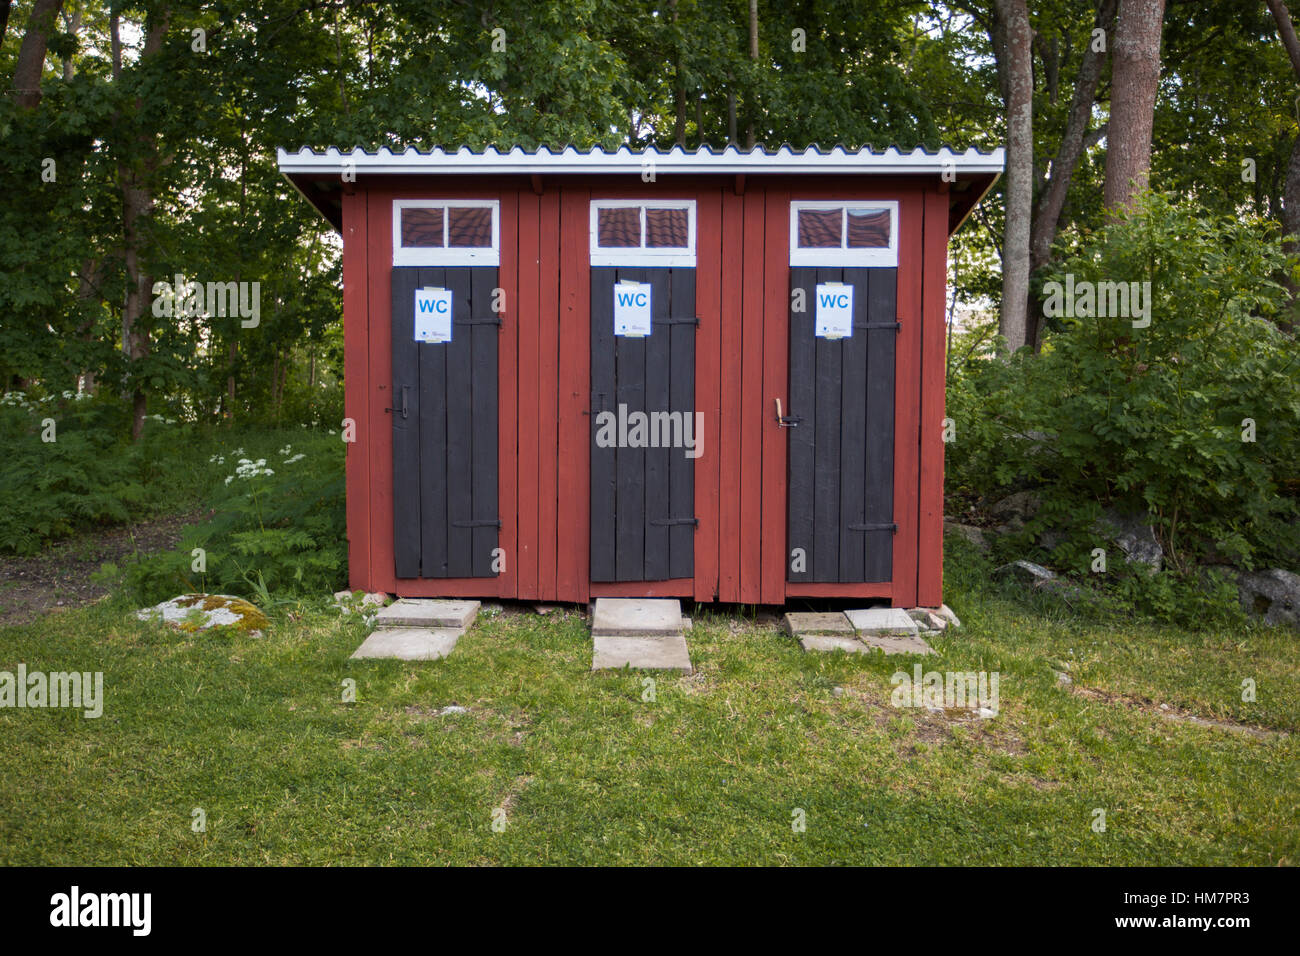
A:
841, 480
643, 498
445, 508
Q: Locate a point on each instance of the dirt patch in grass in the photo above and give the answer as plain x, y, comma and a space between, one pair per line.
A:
1148, 706
59, 577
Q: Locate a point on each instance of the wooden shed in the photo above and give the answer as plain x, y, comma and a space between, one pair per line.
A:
710, 375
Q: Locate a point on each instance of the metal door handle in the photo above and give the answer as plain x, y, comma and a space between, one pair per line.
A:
784, 421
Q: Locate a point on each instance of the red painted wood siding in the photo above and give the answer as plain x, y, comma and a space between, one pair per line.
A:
742, 291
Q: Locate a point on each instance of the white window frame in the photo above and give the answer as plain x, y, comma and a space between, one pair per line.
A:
642, 256
432, 256
844, 256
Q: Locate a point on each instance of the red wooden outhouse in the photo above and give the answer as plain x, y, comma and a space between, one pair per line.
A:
710, 375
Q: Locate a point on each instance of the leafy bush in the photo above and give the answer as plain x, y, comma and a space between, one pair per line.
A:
63, 469
279, 526
1150, 420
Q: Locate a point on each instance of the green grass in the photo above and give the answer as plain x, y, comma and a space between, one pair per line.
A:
254, 731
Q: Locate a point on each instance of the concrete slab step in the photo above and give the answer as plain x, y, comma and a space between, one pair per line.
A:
637, 617
427, 612
801, 623
410, 643
882, 622
657, 652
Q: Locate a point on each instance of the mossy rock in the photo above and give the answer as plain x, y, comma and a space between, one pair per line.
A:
202, 612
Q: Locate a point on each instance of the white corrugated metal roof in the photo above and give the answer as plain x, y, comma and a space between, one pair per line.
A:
624, 160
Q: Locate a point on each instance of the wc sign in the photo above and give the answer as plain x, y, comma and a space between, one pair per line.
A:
631, 309
834, 311
432, 315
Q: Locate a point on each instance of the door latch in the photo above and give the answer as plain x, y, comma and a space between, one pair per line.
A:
784, 421
403, 409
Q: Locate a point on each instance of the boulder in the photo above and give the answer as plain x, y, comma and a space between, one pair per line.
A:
971, 533
1273, 596
201, 612
1026, 572
1015, 509
1134, 536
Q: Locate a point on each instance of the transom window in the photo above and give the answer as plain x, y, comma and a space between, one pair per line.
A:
446, 232
642, 232
844, 233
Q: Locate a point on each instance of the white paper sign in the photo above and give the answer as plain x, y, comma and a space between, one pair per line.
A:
432, 315
631, 308
834, 311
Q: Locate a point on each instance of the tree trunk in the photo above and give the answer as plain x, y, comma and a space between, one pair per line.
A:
751, 104
1012, 324
31, 55
679, 90
1291, 189
1135, 75
4, 20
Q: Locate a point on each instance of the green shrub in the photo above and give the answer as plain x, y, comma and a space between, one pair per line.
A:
279, 527
1150, 420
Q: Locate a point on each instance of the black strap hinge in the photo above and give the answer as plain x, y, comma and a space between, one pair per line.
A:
486, 523
681, 321
492, 321
884, 526
661, 522
896, 326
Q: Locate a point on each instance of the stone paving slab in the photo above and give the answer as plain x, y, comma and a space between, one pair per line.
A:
637, 617
913, 644
831, 642
799, 623
660, 652
410, 643
427, 612
882, 621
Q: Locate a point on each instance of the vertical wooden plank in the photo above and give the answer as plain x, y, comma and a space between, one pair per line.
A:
929, 588
460, 428
406, 425
548, 389
776, 363
708, 357
753, 402
573, 575
485, 437
604, 473
907, 384
853, 431
728, 437
826, 453
658, 378
802, 404
374, 426
629, 506
356, 282
879, 485
508, 382
528, 319
430, 415
681, 467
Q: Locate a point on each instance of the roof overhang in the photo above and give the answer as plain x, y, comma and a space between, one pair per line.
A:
319, 176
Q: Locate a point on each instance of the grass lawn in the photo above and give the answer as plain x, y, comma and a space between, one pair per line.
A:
255, 732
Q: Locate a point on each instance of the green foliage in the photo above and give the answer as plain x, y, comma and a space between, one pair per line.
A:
279, 527
1150, 420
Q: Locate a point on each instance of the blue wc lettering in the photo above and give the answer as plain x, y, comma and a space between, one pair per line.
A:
833, 300
433, 305
628, 299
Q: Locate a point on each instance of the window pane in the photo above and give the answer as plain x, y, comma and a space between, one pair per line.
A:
868, 228
469, 227
820, 228
618, 227
422, 228
667, 228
